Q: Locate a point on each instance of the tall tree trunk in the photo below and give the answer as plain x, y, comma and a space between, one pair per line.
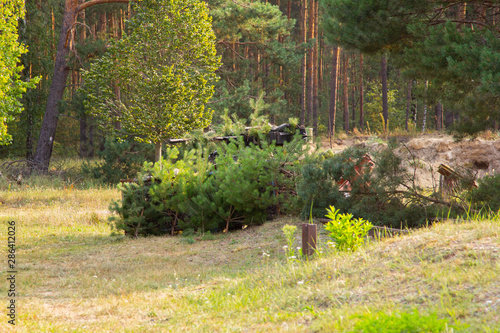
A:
321, 54
353, 95
408, 103
448, 118
415, 111
158, 152
333, 90
495, 12
121, 24
91, 140
28, 111
361, 94
49, 123
103, 24
52, 44
83, 136
462, 13
346, 91
84, 139
303, 67
310, 65
424, 120
439, 116
385, 108
29, 136
315, 72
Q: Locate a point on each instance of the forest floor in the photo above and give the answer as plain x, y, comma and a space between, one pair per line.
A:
75, 275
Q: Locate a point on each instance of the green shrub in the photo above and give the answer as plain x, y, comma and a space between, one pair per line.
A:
347, 233
137, 215
184, 187
487, 194
398, 322
121, 160
386, 195
247, 185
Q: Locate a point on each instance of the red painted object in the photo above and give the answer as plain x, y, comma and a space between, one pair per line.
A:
365, 165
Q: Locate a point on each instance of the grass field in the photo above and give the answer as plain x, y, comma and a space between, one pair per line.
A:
75, 276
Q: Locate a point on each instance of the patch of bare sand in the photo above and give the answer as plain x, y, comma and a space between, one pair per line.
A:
479, 156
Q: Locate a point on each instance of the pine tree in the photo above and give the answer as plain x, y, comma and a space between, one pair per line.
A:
453, 46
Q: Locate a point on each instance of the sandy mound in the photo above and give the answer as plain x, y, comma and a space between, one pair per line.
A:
426, 153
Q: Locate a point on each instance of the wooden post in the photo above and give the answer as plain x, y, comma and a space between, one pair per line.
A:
309, 238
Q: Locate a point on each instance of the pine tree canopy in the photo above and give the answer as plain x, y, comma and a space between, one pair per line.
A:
454, 45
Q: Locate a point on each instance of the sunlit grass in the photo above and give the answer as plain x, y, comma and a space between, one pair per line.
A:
75, 275
64, 173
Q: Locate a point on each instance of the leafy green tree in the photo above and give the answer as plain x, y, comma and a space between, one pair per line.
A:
154, 82
11, 86
38, 62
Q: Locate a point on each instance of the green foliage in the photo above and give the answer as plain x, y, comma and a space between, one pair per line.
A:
38, 62
460, 60
347, 233
258, 121
250, 182
247, 185
11, 85
373, 108
137, 215
254, 174
245, 32
121, 160
318, 181
289, 232
156, 91
487, 194
410, 322
463, 65
184, 189
386, 196
368, 25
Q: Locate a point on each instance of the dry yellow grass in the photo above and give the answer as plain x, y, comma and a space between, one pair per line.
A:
74, 276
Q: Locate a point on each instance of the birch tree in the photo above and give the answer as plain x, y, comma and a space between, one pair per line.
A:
164, 71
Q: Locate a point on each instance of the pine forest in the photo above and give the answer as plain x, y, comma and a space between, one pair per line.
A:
335, 66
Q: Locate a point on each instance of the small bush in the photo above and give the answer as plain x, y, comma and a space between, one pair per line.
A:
137, 215
121, 160
412, 322
487, 194
347, 233
289, 232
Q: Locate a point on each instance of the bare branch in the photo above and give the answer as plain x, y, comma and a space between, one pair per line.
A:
464, 22
97, 2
